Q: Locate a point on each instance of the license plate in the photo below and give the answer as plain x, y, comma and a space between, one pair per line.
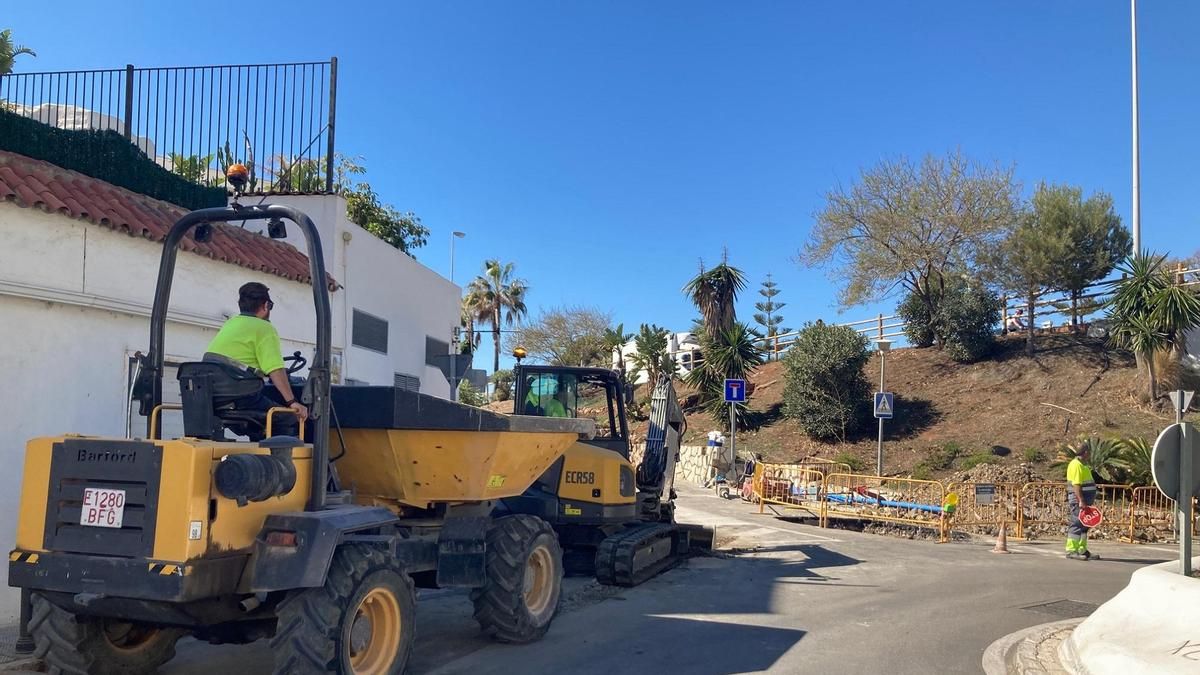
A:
102, 507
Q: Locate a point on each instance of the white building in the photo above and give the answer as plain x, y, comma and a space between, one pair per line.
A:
684, 348
78, 263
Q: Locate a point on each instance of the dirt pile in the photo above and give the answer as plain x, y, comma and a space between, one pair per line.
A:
996, 473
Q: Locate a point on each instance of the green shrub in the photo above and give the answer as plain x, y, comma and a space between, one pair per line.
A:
469, 395
922, 472
918, 322
1034, 455
966, 320
938, 459
1137, 453
851, 460
826, 390
975, 459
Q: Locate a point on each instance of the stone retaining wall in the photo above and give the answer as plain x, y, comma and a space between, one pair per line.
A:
693, 465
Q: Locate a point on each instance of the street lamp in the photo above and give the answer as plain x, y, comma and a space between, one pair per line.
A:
1137, 166
884, 345
454, 338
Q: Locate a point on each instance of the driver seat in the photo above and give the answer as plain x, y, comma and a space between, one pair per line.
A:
209, 391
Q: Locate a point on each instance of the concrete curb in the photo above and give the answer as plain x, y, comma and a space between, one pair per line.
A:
999, 655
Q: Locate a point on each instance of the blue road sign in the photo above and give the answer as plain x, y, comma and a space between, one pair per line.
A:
735, 391
883, 405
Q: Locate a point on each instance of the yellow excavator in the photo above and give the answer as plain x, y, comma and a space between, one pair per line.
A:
315, 542
614, 519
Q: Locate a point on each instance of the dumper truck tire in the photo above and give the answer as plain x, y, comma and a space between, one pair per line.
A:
524, 580
361, 622
78, 645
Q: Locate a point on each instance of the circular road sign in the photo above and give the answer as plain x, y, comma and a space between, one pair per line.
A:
1165, 462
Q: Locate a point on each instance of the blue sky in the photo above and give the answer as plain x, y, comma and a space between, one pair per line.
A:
608, 147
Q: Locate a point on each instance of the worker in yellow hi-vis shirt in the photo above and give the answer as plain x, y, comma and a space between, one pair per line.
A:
1081, 492
248, 341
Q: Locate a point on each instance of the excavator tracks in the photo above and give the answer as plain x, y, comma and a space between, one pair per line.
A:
639, 552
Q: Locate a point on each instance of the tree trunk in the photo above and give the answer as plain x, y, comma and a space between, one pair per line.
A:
1074, 310
496, 340
1152, 376
1030, 302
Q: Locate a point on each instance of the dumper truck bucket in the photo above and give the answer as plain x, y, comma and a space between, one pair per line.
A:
397, 446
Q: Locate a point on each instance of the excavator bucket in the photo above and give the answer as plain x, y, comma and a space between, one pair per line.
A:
395, 446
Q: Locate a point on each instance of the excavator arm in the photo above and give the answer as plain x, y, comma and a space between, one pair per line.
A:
656, 472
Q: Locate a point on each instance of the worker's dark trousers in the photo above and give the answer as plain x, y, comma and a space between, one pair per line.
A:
1076, 531
281, 424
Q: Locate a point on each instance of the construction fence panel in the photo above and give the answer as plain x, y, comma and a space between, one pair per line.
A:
788, 485
1045, 511
1152, 516
984, 507
894, 500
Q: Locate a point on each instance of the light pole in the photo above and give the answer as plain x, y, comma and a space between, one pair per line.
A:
884, 345
1137, 167
454, 338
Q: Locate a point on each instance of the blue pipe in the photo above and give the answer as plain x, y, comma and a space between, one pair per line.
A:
883, 502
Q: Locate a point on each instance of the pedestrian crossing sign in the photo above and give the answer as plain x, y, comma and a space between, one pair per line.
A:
883, 405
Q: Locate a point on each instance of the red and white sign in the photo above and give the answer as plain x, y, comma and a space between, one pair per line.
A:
102, 507
1090, 516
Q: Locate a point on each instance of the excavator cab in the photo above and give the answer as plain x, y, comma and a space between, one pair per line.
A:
563, 391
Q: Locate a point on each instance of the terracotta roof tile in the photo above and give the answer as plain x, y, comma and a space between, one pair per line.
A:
32, 183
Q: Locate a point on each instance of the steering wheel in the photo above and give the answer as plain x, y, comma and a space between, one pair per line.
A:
298, 362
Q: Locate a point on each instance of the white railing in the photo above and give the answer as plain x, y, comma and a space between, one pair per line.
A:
892, 327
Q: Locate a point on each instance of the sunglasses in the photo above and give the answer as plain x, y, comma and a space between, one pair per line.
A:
270, 304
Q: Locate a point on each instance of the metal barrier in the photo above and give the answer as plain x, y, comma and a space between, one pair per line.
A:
1152, 515
984, 507
1044, 509
788, 485
893, 500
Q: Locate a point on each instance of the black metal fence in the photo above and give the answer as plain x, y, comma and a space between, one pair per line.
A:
195, 120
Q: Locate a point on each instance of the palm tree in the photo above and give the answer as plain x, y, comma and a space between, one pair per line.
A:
497, 295
9, 51
614, 340
1108, 458
714, 293
1150, 312
471, 337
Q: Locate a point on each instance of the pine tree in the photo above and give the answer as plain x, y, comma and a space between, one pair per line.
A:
768, 312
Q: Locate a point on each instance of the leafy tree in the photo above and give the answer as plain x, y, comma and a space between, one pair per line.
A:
497, 295
1091, 239
825, 388
503, 380
1025, 262
468, 395
918, 321
967, 317
1150, 311
768, 315
614, 340
652, 355
401, 229
564, 336
196, 168
907, 225
9, 51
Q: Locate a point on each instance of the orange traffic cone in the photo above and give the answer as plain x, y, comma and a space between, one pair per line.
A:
1002, 540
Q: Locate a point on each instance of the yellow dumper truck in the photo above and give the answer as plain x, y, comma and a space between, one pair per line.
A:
317, 543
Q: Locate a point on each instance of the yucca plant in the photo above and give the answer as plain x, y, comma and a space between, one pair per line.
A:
1150, 312
1137, 454
1108, 460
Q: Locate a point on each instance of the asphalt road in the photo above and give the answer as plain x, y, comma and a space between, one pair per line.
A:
793, 599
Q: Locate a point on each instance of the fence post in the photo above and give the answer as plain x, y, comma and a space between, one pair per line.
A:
881, 326
129, 101
1004, 314
329, 157
775, 356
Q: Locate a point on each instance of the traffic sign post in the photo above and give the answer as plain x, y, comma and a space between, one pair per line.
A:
883, 411
735, 393
1176, 475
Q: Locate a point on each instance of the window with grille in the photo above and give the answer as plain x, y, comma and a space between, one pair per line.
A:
407, 382
369, 332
